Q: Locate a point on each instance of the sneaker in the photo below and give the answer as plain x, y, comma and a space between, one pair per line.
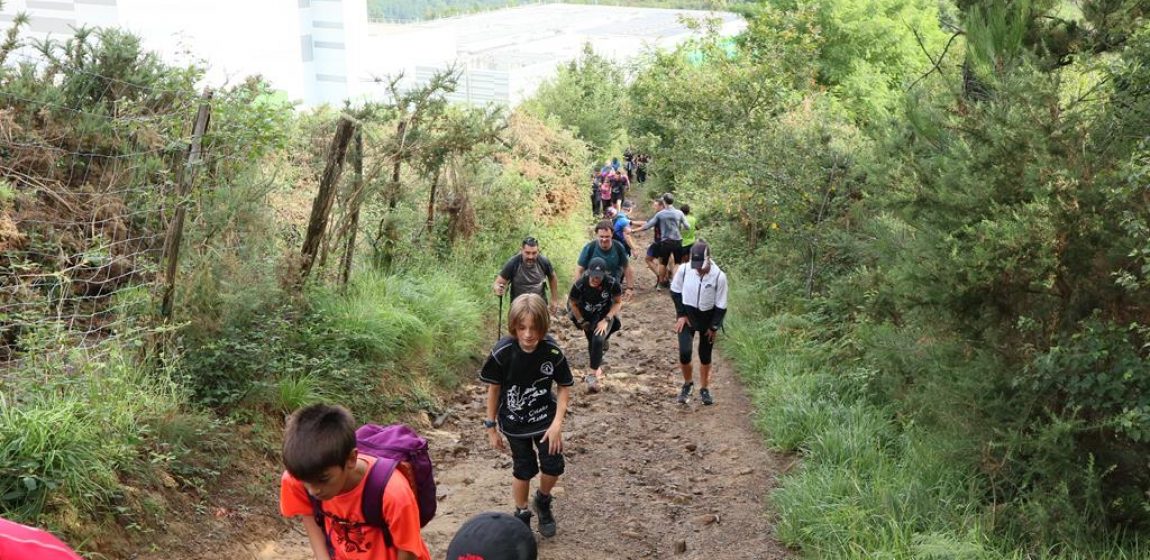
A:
524, 515
685, 392
592, 383
705, 395
546, 519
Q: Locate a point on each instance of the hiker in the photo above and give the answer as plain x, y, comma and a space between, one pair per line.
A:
604, 201
595, 182
621, 227
493, 536
700, 295
653, 263
322, 460
21, 542
527, 272
619, 187
606, 247
683, 254
520, 405
641, 163
595, 302
670, 222
629, 163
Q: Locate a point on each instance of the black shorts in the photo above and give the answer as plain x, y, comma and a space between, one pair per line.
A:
526, 464
683, 254
666, 249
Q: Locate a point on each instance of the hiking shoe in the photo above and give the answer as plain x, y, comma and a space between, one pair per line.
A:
546, 519
592, 383
705, 395
524, 515
685, 392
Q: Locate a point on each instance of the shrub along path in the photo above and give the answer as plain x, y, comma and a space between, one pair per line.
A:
646, 477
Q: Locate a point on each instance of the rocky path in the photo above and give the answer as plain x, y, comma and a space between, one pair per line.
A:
646, 476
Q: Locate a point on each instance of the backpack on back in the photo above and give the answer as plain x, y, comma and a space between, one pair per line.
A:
396, 448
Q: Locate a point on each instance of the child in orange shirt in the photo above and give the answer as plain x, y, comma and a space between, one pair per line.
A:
321, 458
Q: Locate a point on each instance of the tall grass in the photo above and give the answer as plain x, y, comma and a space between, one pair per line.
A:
71, 426
870, 485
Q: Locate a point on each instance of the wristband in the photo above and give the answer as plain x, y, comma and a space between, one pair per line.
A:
488, 423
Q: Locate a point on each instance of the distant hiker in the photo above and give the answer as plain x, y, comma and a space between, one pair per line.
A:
322, 459
529, 272
520, 405
605, 195
629, 163
493, 536
684, 252
21, 542
621, 227
615, 164
595, 300
595, 182
670, 222
612, 252
700, 295
619, 187
641, 163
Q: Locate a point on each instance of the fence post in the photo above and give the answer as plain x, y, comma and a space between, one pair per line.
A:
355, 201
324, 199
185, 176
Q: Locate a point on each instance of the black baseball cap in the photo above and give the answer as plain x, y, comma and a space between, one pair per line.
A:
597, 268
700, 251
493, 536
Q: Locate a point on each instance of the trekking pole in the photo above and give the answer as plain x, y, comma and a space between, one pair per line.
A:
499, 329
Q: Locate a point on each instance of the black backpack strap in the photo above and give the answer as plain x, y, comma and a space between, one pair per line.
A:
321, 520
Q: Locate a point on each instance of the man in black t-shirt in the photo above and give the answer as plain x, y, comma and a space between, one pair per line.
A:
595, 301
527, 272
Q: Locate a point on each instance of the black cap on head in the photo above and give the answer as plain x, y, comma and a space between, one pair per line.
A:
493, 536
700, 252
597, 268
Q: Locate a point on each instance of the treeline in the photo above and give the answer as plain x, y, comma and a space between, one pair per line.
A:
410, 11
938, 222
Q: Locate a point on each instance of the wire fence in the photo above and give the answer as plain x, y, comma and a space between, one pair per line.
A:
87, 192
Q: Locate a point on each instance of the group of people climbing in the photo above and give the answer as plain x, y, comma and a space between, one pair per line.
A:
611, 183
524, 364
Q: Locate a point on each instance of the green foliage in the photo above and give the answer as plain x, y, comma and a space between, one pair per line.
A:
587, 96
866, 50
969, 281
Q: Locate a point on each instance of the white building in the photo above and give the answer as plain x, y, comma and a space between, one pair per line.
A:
325, 51
309, 48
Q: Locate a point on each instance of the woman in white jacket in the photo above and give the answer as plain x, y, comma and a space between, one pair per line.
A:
700, 294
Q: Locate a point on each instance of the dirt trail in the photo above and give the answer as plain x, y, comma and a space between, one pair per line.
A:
646, 476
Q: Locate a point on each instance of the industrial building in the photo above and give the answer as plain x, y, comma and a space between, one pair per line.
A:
326, 51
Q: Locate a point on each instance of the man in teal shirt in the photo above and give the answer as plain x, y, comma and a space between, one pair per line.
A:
613, 253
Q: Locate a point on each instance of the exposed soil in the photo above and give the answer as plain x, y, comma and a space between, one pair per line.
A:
646, 477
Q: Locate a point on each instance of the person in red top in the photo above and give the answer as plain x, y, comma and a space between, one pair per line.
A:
21, 542
322, 460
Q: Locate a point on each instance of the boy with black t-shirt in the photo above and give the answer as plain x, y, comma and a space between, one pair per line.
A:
595, 301
519, 373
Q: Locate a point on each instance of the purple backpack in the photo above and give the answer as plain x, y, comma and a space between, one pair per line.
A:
395, 447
